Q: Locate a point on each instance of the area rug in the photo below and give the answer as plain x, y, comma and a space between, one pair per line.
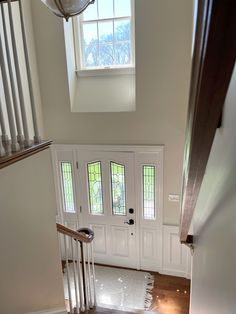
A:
122, 289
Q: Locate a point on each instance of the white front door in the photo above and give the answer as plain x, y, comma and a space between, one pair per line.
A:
108, 205
118, 194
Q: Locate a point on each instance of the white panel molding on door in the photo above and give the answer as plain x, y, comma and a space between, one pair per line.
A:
120, 241
100, 243
149, 247
176, 256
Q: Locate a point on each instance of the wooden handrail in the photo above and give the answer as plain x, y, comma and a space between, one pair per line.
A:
23, 153
213, 63
80, 236
4, 1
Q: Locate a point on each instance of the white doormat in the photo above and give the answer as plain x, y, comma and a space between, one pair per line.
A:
122, 289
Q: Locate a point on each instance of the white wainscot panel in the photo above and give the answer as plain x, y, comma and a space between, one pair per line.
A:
120, 241
149, 244
100, 246
176, 256
150, 250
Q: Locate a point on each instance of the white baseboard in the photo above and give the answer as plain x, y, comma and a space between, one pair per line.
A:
177, 273
51, 311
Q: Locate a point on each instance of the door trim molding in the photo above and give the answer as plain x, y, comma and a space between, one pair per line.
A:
165, 265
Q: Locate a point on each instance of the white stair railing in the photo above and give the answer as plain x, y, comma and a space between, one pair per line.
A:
76, 249
17, 102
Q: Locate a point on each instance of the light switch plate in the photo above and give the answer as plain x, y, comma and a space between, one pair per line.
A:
173, 197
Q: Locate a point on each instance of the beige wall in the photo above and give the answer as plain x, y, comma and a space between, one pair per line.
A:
214, 260
31, 278
163, 55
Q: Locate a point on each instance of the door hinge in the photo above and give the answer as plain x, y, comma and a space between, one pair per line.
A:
77, 165
80, 209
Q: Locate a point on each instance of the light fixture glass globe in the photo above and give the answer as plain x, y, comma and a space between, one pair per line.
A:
67, 8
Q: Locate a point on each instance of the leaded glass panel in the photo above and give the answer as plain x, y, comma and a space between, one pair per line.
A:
95, 188
118, 189
67, 185
149, 176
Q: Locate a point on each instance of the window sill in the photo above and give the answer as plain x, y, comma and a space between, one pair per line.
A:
106, 72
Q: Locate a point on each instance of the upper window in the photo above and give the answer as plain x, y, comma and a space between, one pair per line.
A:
104, 35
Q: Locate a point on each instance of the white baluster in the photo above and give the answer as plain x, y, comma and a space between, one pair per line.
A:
80, 279
93, 272
14, 145
37, 138
89, 276
68, 275
4, 137
20, 136
18, 77
2, 149
75, 276
85, 286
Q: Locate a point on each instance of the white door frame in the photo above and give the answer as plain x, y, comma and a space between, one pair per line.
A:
73, 149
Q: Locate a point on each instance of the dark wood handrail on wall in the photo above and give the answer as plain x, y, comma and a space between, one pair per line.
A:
213, 63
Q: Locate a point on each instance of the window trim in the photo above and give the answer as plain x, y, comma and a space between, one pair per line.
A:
106, 70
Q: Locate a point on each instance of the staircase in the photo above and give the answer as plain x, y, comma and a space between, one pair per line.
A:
76, 249
170, 294
19, 102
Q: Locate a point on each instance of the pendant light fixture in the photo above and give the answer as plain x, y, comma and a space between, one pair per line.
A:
67, 8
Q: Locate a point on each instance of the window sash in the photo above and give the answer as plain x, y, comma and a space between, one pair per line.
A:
78, 23
118, 209
149, 191
95, 208
67, 186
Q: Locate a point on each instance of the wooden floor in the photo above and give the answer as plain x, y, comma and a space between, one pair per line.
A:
170, 296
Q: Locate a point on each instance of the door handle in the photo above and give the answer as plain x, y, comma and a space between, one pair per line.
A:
129, 222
